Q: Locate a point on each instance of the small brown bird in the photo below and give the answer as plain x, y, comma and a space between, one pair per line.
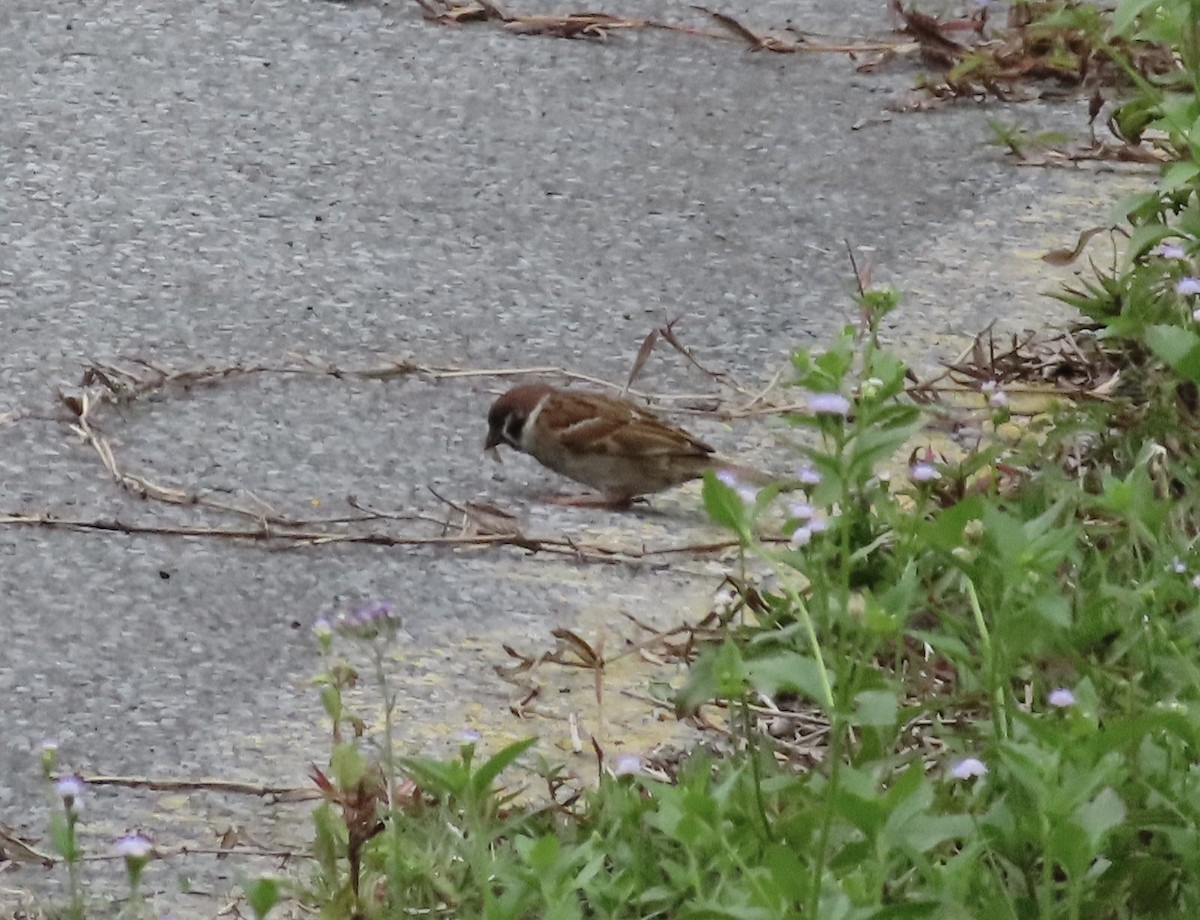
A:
609, 444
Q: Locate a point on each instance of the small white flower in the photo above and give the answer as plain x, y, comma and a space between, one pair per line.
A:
969, 767
1061, 698
1196, 581
1178, 566
998, 400
469, 736
828, 404
801, 536
728, 477
1196, 315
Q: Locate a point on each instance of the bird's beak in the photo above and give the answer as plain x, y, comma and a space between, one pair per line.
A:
491, 445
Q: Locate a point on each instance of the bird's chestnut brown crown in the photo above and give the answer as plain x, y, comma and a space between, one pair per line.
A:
507, 417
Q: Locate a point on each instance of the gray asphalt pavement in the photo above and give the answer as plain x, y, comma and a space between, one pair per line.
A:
234, 181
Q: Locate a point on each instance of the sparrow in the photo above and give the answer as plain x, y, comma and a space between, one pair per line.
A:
615, 447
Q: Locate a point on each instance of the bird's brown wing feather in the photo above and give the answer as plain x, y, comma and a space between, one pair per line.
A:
615, 429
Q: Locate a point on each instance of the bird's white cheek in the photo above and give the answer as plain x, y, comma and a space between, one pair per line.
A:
528, 438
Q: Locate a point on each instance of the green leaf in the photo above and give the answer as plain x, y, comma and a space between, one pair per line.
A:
875, 708
331, 701
787, 871
910, 910
262, 895
347, 765
1054, 609
700, 686
1177, 347
329, 838
729, 671
923, 832
435, 776
482, 781
945, 531
786, 671
62, 837
543, 854
1178, 175
1069, 847
877, 445
1100, 815
867, 813
726, 507
1145, 237
1127, 13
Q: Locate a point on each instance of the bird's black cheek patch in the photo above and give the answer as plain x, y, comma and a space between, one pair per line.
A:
513, 427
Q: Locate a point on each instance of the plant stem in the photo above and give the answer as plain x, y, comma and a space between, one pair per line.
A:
999, 709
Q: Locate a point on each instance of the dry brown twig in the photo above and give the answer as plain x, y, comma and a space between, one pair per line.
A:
474, 525
598, 27
281, 793
109, 385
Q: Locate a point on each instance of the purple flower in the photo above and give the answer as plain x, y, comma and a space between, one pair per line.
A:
322, 628
70, 789
1061, 698
134, 846
1169, 251
627, 765
802, 511
923, 472
801, 536
1187, 287
469, 736
828, 404
1178, 567
968, 768
818, 524
998, 400
807, 475
728, 477
369, 621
